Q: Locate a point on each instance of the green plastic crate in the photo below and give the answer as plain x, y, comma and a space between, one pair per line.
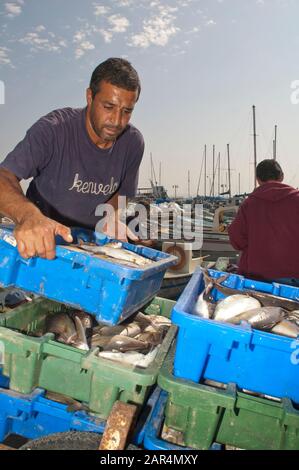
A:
43, 362
204, 414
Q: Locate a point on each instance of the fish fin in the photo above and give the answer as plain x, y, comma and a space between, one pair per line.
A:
80, 331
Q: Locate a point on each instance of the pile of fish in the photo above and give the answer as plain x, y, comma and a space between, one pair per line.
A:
11, 298
134, 342
262, 311
113, 251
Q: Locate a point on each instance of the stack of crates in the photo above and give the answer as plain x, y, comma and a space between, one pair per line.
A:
231, 384
111, 293
33, 365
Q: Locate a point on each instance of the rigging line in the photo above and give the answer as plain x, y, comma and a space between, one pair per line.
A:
199, 179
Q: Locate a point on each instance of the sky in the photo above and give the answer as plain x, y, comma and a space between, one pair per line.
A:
203, 64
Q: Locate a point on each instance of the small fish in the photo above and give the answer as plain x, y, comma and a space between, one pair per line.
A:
115, 250
109, 330
262, 318
131, 357
99, 341
85, 318
202, 307
234, 305
132, 329
63, 326
80, 341
266, 300
151, 337
286, 328
124, 344
73, 405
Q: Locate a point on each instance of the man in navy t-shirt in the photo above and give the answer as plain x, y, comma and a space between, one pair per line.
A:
78, 158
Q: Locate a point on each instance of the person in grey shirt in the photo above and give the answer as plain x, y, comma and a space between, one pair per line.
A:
78, 158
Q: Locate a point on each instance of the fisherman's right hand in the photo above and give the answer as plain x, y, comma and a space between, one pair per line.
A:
35, 236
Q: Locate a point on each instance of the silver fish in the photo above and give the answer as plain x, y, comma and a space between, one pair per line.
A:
132, 329
63, 326
125, 343
262, 318
85, 318
234, 305
73, 405
154, 338
266, 300
115, 250
80, 341
131, 357
286, 328
109, 330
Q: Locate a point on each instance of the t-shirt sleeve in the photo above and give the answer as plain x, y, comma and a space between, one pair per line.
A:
33, 153
129, 183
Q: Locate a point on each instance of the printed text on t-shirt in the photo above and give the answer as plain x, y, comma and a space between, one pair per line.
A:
91, 187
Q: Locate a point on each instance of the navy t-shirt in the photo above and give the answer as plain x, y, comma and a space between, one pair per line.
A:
71, 175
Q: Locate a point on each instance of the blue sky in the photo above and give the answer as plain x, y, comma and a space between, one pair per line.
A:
202, 63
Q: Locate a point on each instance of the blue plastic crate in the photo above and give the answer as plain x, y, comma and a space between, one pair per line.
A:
109, 291
33, 416
153, 426
206, 349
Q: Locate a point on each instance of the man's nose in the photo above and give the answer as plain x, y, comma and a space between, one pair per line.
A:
116, 118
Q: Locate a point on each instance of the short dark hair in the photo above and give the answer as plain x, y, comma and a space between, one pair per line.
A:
118, 72
269, 170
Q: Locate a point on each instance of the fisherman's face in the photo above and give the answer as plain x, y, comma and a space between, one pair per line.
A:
109, 112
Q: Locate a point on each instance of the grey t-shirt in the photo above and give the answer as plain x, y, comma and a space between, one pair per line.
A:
71, 175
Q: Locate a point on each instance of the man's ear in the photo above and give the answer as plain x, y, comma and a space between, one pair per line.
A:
88, 96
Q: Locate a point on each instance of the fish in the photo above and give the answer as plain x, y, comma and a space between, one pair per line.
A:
99, 341
234, 305
131, 357
85, 318
80, 341
151, 337
265, 299
109, 330
62, 326
124, 344
262, 318
286, 328
203, 306
115, 250
73, 405
132, 329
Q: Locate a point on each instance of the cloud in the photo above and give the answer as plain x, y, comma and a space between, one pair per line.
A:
83, 47
13, 9
107, 35
210, 23
158, 29
4, 59
37, 42
100, 10
119, 23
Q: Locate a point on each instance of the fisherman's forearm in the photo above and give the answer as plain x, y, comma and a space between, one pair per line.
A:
13, 203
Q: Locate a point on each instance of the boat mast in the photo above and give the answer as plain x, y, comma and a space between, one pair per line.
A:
275, 142
160, 174
254, 144
188, 183
213, 170
219, 174
199, 179
228, 166
205, 160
